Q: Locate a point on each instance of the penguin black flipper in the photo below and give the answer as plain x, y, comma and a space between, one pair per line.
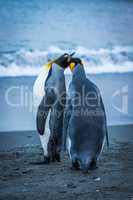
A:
43, 110
67, 116
107, 137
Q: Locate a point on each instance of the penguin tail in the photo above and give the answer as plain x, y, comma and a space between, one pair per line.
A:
86, 165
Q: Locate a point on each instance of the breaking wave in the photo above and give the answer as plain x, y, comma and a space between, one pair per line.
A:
104, 60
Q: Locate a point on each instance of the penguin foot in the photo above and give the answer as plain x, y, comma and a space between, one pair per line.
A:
46, 160
57, 157
75, 166
93, 165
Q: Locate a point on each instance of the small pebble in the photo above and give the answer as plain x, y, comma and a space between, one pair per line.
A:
17, 168
63, 191
4, 179
97, 178
26, 171
71, 185
82, 180
52, 174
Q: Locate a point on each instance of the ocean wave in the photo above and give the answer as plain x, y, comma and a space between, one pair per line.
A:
105, 60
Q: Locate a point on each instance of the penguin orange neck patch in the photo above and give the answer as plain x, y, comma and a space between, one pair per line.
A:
48, 66
72, 66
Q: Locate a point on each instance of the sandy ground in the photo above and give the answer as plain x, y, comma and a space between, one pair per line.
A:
20, 179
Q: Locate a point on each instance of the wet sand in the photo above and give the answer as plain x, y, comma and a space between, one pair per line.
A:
20, 179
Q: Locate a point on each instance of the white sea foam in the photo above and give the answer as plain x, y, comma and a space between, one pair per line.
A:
104, 60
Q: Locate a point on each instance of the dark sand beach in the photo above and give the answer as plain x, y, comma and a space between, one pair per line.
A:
21, 179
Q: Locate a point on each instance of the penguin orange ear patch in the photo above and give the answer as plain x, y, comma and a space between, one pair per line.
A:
48, 65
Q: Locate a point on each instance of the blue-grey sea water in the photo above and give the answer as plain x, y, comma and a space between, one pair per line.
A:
101, 34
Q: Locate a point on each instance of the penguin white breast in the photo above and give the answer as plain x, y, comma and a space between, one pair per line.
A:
38, 94
38, 87
68, 143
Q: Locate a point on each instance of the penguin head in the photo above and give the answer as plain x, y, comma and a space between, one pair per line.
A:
63, 61
74, 62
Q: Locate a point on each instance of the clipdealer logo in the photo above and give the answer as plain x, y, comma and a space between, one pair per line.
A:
24, 97
122, 94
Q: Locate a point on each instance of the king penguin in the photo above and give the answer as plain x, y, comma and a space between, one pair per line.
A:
49, 92
85, 126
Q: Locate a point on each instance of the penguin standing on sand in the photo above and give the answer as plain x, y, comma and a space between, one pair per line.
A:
84, 120
50, 94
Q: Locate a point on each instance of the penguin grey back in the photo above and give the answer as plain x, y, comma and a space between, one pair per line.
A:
85, 125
